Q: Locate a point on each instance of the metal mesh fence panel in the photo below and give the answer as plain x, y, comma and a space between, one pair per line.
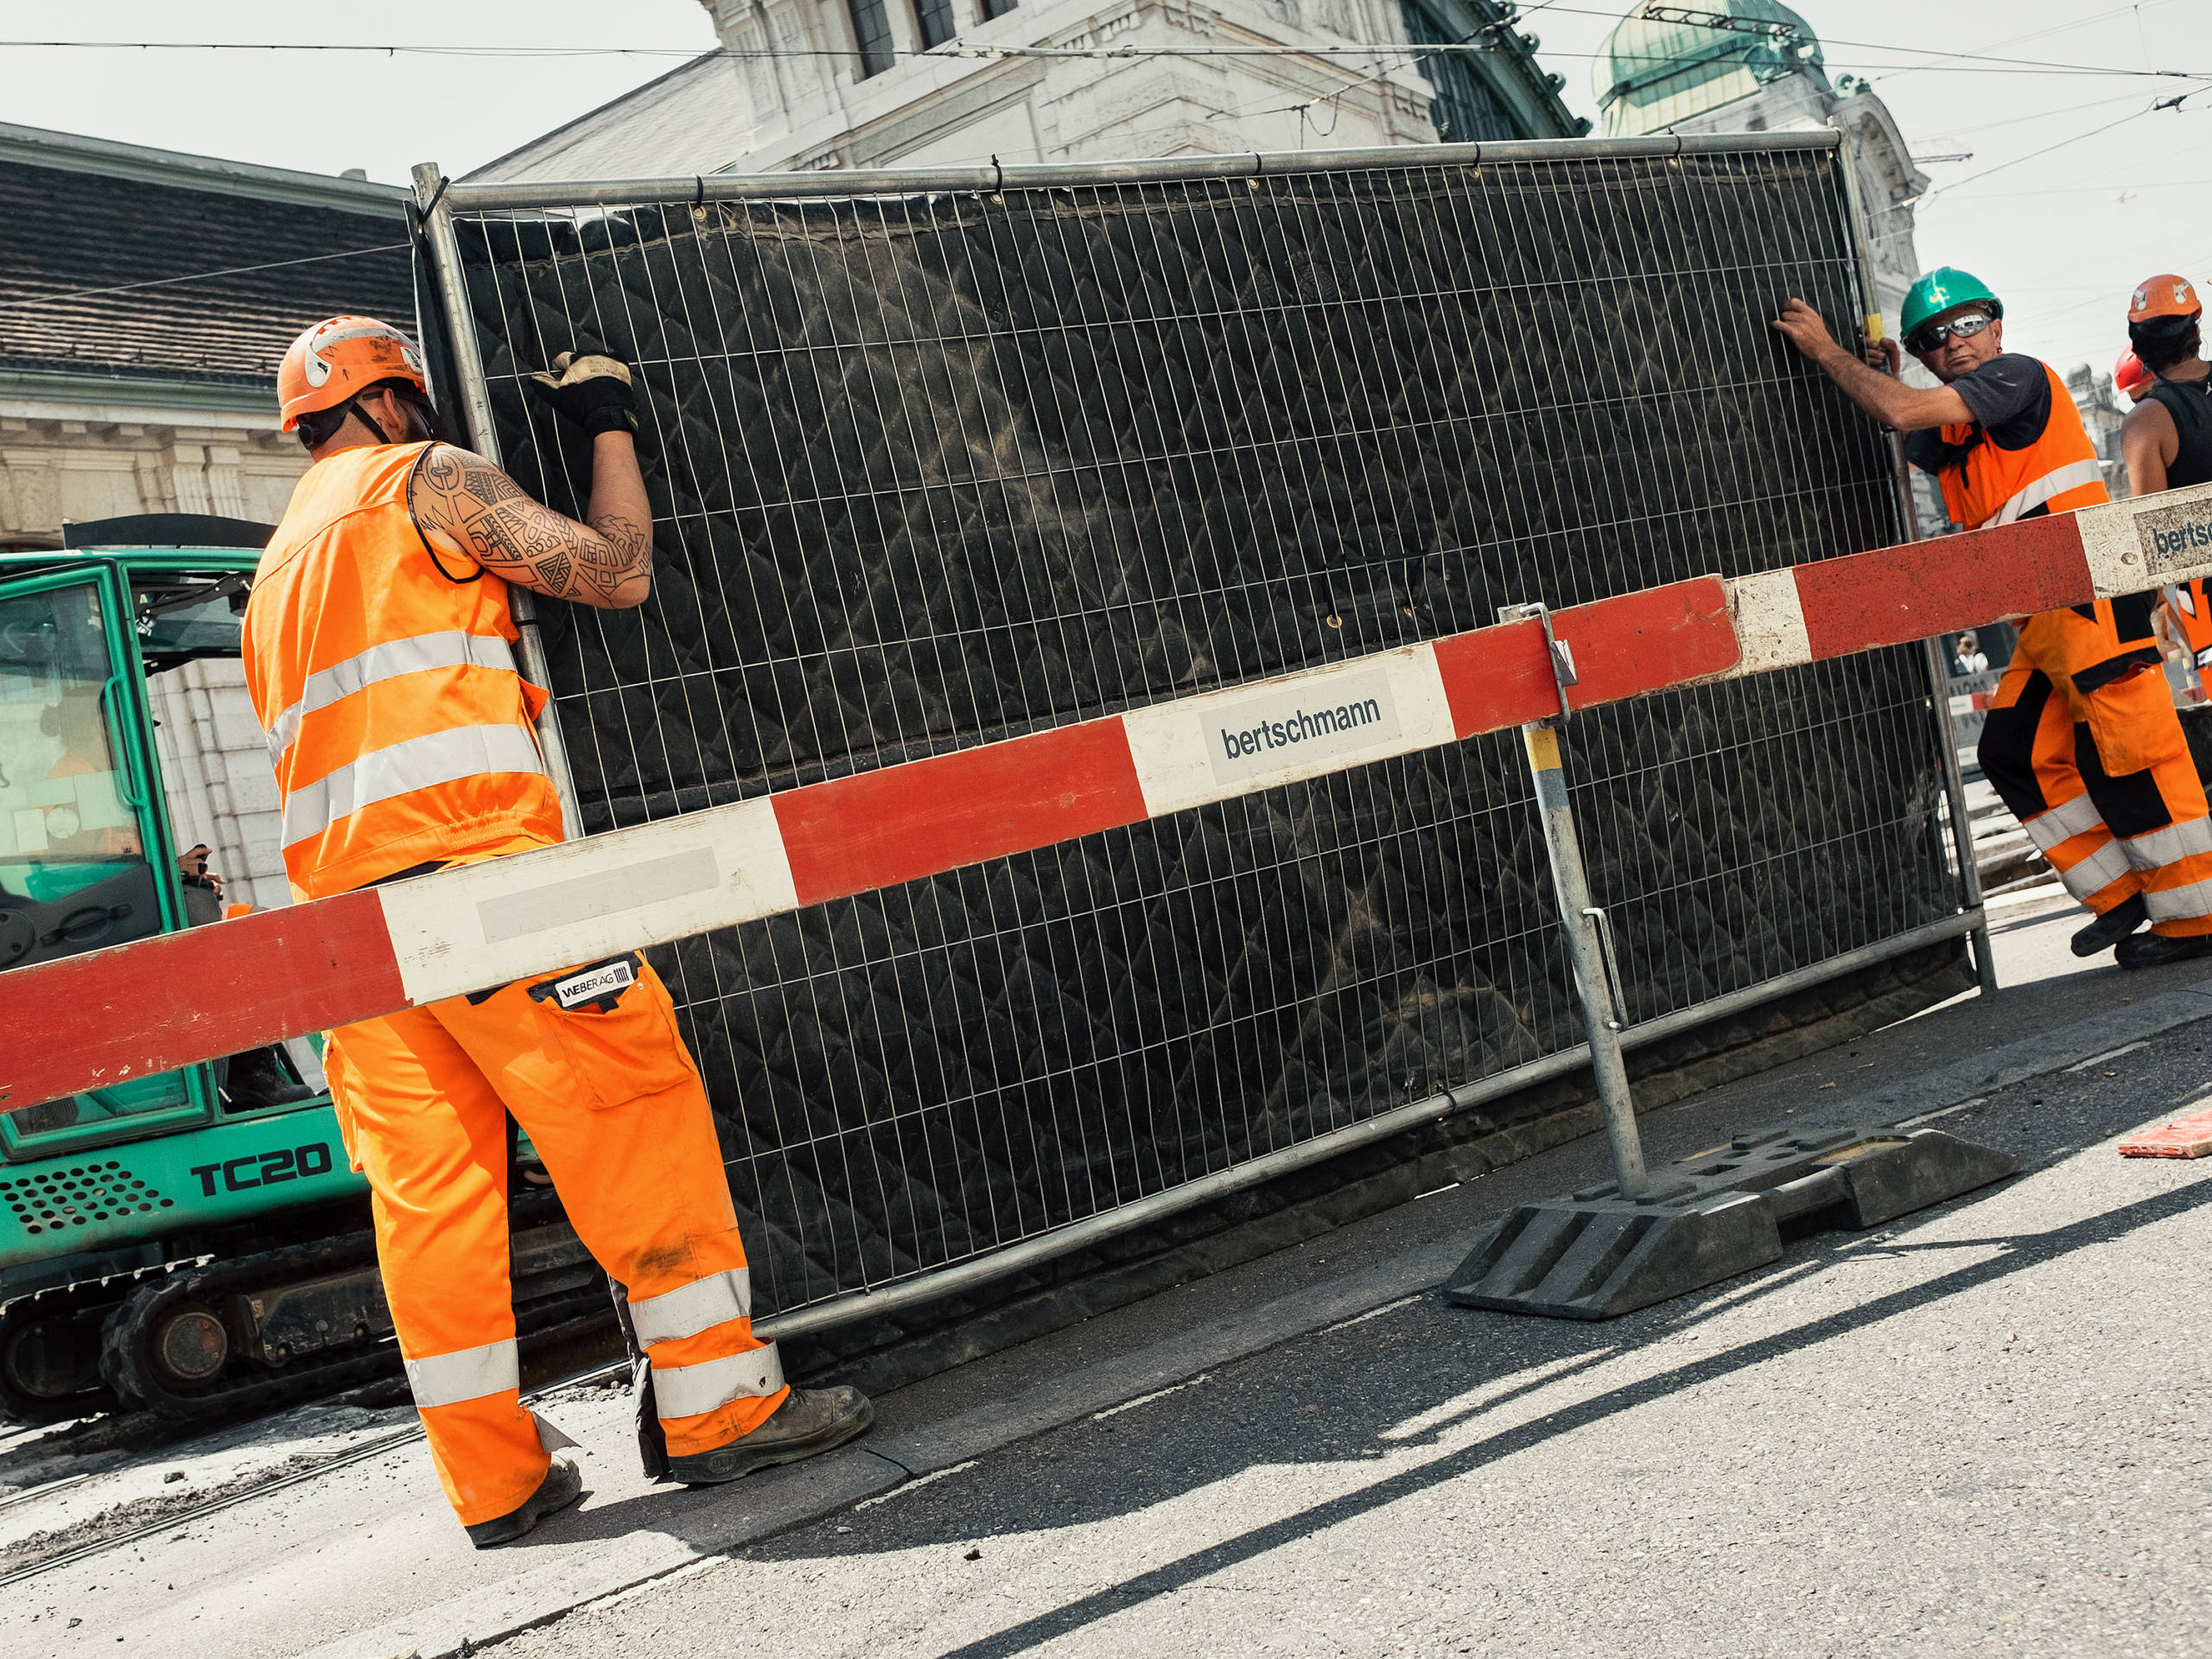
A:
933, 470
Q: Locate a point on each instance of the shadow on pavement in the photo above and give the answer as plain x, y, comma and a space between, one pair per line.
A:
2025, 1251
1337, 1396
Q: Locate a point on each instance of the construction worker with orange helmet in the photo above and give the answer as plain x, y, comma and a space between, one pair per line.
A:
2166, 440
2082, 742
2167, 437
379, 654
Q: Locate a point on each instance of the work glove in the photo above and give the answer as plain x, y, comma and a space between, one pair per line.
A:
593, 391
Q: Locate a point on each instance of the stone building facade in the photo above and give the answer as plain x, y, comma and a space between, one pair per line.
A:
134, 381
2102, 414
125, 391
806, 84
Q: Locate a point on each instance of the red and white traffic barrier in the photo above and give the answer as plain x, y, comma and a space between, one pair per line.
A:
96, 1018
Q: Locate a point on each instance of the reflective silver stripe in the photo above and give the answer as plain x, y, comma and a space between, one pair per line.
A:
687, 1391
2191, 903
688, 1309
388, 661
2097, 872
2071, 476
2064, 822
468, 1374
2176, 841
419, 762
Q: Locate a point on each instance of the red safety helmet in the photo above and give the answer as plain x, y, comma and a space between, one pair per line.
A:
2162, 295
341, 357
2130, 377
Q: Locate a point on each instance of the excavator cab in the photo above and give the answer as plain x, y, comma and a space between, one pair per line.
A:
89, 853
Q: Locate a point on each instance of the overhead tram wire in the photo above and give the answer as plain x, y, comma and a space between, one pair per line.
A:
2050, 149
1957, 62
1974, 130
1944, 59
2136, 7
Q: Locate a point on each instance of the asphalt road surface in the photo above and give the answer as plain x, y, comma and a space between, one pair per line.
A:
1977, 1430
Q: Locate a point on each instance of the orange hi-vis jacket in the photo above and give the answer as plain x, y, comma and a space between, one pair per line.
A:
2057, 472
399, 725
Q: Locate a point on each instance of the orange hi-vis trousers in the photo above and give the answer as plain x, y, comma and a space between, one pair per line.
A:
2083, 744
592, 1065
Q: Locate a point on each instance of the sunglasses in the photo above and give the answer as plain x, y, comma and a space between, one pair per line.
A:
1929, 335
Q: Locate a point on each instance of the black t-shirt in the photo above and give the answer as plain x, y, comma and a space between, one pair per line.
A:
2189, 403
2009, 397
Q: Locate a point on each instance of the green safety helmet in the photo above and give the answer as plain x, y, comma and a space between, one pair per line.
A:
1938, 291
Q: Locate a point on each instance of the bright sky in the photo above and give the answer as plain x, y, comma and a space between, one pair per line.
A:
2062, 236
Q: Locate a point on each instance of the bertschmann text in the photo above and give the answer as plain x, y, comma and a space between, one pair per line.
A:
1300, 725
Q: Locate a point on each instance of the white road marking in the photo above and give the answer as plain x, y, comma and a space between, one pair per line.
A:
1147, 1399
1374, 1313
2109, 1054
1930, 1117
903, 1487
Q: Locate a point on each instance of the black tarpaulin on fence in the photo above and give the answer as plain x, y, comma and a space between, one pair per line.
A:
931, 471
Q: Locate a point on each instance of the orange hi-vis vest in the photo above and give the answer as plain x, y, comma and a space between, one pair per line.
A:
399, 725
2057, 472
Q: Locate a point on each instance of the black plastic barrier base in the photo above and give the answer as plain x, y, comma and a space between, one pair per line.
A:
1595, 1254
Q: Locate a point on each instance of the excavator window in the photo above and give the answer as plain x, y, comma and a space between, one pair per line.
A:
75, 873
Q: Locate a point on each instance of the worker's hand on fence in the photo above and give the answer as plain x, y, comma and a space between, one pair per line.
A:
593, 391
1805, 329
1884, 354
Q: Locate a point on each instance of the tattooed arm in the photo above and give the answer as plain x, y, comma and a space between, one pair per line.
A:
467, 508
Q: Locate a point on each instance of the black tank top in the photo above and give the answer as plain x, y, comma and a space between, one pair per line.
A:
2189, 402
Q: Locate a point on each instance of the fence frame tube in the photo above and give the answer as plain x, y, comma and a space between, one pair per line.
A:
1000, 1260
697, 189
1954, 786
437, 210
433, 209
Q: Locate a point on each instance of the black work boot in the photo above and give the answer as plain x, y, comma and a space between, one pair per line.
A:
2157, 951
809, 1421
561, 1486
2112, 927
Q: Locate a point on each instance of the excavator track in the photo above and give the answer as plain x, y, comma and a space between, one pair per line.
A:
56, 1332
131, 1352
183, 1345
208, 1337
130, 1359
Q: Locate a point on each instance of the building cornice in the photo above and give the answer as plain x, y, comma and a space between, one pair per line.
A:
74, 153
91, 396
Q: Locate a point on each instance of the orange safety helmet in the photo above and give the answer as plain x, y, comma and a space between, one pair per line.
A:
340, 358
2162, 295
2130, 377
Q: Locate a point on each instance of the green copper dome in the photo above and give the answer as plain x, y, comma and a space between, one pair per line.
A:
1652, 73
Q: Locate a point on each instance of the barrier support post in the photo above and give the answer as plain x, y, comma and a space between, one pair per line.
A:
1954, 795
436, 215
1589, 947
1589, 934
1610, 1249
